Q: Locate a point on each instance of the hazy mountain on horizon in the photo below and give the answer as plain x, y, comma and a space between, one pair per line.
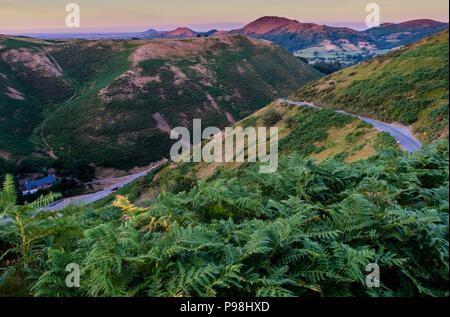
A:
292, 34
181, 32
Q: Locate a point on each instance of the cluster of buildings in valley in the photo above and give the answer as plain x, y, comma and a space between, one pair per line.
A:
32, 187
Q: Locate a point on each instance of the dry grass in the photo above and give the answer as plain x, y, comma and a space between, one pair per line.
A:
339, 144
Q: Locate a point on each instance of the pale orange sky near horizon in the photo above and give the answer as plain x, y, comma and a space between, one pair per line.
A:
33, 16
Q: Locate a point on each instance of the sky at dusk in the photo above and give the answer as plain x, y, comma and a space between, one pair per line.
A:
35, 16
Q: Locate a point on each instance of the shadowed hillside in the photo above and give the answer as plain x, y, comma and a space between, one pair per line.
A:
114, 102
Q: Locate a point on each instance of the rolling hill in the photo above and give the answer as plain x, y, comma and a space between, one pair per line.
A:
296, 36
299, 36
113, 102
181, 32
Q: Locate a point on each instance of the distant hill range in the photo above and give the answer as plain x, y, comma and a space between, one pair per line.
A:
180, 32
294, 35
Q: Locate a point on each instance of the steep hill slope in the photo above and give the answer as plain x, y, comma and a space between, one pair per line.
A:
305, 218
409, 86
114, 102
30, 79
310, 133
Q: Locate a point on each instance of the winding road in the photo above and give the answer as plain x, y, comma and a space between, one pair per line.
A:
407, 140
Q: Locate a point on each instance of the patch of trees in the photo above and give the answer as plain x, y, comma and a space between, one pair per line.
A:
4, 167
327, 67
29, 165
303, 59
271, 117
83, 170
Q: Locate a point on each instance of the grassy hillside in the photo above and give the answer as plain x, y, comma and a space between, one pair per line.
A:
113, 102
409, 86
30, 80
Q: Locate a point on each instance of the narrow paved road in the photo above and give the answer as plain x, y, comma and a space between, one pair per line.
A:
407, 140
91, 198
